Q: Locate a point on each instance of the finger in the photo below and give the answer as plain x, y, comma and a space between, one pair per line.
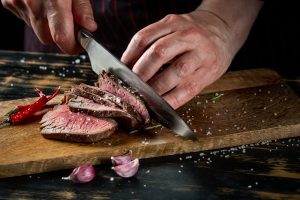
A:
42, 30
38, 22
192, 86
83, 14
159, 53
182, 67
145, 37
13, 7
61, 25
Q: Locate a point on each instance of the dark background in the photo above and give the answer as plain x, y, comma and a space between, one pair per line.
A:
272, 43
12, 28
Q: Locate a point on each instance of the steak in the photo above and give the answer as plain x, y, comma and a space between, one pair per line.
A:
108, 82
87, 106
89, 114
62, 124
102, 97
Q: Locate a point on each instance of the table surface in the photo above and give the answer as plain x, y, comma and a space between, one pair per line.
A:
268, 170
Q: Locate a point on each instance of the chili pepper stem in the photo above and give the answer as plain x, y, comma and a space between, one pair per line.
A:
4, 121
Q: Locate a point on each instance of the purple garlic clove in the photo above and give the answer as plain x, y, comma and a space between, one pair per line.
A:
128, 169
82, 174
122, 159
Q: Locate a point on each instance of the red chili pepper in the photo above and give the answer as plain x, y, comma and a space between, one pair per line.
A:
24, 112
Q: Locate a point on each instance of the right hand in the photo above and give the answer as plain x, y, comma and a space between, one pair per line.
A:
54, 21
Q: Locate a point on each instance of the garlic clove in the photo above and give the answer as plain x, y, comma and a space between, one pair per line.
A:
122, 159
82, 174
128, 169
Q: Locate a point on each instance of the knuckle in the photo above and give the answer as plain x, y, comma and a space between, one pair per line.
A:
140, 39
192, 88
193, 32
171, 18
182, 69
159, 51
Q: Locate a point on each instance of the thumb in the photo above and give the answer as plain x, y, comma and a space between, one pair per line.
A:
83, 14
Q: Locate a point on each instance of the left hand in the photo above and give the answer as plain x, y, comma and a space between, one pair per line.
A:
196, 45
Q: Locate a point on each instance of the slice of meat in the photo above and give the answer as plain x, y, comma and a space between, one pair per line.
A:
62, 124
111, 84
105, 98
87, 106
77, 91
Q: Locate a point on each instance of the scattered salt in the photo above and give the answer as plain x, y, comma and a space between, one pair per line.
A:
208, 133
77, 61
22, 60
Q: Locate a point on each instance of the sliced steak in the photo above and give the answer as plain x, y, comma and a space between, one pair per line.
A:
111, 84
87, 106
77, 91
62, 124
105, 98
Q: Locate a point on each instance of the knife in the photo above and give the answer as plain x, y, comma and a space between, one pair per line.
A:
101, 59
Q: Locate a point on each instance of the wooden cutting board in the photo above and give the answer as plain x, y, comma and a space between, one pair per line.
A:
256, 106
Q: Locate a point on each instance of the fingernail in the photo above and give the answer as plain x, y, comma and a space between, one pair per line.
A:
91, 21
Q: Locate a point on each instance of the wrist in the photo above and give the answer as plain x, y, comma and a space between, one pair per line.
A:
237, 15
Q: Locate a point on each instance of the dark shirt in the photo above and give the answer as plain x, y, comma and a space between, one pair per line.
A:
119, 20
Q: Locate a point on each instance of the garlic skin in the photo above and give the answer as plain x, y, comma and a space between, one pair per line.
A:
122, 159
128, 169
82, 174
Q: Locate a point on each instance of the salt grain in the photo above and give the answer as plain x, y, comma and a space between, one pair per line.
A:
208, 133
83, 57
22, 60
77, 61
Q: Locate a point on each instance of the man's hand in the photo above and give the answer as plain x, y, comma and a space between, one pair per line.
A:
55, 20
198, 46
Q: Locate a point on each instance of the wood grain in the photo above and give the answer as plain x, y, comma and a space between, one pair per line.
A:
241, 116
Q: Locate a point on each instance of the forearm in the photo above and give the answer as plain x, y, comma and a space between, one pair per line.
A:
237, 15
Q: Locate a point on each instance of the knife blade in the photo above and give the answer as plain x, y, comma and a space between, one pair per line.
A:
101, 59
